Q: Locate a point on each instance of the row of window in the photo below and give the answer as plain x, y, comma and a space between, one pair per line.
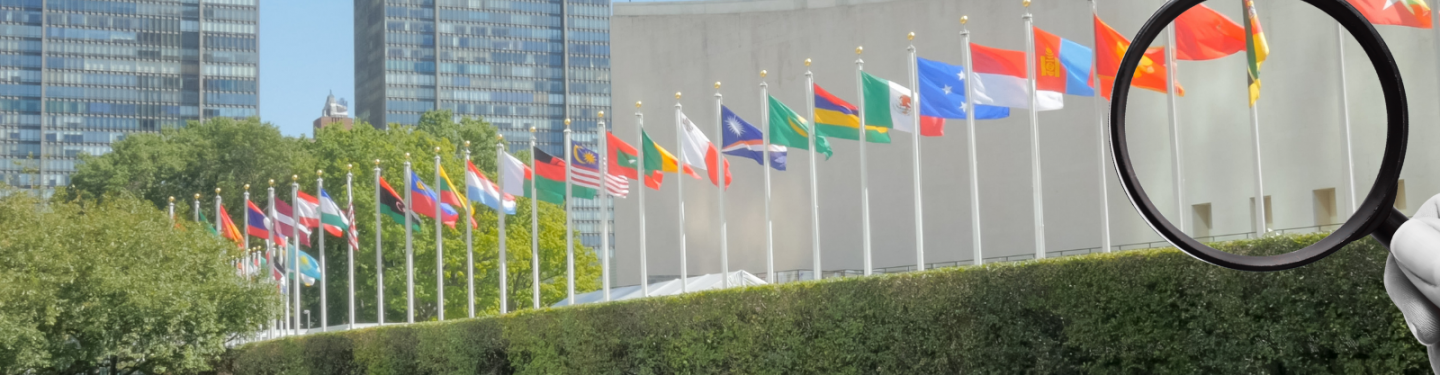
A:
230, 85
231, 70
101, 79
408, 106
227, 27
231, 14
499, 83
149, 110
230, 99
116, 50
98, 6
589, 62
17, 45
70, 136
502, 96
404, 12
112, 123
503, 110
548, 59
502, 70
238, 57
419, 53
229, 112
404, 79
20, 31
20, 16
481, 4
23, 61
502, 31
229, 42
590, 23
244, 3
490, 17
20, 90
106, 65
500, 44
19, 119
113, 22
114, 36
102, 93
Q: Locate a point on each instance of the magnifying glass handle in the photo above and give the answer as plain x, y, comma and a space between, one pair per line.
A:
1387, 228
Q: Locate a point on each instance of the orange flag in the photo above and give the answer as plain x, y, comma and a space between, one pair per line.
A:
1412, 13
1202, 33
228, 229
1110, 48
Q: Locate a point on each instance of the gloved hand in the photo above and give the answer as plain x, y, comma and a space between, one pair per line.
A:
1412, 276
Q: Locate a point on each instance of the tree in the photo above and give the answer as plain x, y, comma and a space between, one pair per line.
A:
87, 282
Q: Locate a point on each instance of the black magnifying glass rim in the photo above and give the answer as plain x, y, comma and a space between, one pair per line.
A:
1372, 211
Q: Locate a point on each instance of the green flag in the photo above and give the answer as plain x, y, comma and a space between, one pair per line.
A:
208, 226
789, 129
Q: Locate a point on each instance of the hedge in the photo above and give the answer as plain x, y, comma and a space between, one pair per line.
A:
1149, 311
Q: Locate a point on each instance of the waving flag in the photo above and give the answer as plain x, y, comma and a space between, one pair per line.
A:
697, 151
449, 196
257, 224
942, 93
392, 205
1063, 66
331, 216
354, 237
1411, 13
423, 202
228, 229
309, 268
891, 105
286, 223
308, 210
836, 118
1110, 49
1000, 79
1202, 33
789, 129
1255, 48
486, 192
585, 171
624, 159
745, 140
550, 179
658, 160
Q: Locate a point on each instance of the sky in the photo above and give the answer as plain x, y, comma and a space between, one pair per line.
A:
307, 50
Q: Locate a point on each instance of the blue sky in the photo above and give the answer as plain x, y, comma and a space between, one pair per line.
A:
306, 50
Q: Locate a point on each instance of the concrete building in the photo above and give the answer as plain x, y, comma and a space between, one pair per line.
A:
661, 48
516, 63
335, 113
79, 75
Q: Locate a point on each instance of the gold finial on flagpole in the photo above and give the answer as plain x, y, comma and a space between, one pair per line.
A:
197, 196
601, 114
764, 73
349, 166
437, 149
807, 62
500, 137
859, 50
172, 199
717, 85
272, 182
467, 144
294, 178
567, 121
677, 95
964, 19
217, 191
377, 163
637, 104
1027, 3
407, 156
532, 130
247, 187
319, 172
911, 36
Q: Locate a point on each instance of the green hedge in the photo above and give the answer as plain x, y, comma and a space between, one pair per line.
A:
1150, 312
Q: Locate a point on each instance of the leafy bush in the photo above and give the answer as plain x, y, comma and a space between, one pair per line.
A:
1152, 311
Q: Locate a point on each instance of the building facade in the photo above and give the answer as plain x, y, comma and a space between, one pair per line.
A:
335, 113
78, 75
515, 63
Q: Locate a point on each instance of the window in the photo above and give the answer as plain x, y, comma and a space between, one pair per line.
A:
1200, 221
1324, 207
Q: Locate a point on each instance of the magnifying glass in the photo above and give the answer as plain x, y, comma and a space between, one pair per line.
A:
1376, 215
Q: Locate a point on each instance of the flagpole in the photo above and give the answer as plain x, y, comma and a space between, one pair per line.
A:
379, 255
814, 191
680, 194
245, 233
196, 211
724, 245
765, 144
172, 212
294, 266
970, 144
864, 182
604, 209
439, 245
1101, 144
1175, 164
217, 212
409, 247
534, 229
1345, 120
1037, 192
569, 234
641, 173
469, 245
350, 255
324, 276
1259, 202
500, 224
915, 155
278, 258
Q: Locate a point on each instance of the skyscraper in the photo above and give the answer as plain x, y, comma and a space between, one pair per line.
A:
511, 62
77, 75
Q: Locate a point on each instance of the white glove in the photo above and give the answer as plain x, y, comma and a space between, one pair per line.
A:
1412, 276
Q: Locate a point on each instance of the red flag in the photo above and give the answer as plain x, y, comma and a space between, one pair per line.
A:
623, 158
228, 229
1412, 13
1110, 49
1202, 33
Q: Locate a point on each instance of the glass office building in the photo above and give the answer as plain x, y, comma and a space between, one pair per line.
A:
516, 63
77, 75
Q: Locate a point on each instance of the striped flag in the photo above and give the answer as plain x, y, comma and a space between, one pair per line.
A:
585, 171
354, 236
1255, 49
333, 220
480, 188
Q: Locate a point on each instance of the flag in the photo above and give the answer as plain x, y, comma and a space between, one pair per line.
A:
942, 93
228, 229
1412, 13
481, 188
309, 268
1255, 48
331, 217
1202, 33
658, 160
517, 176
1110, 49
1000, 80
392, 205
285, 223
745, 140
891, 105
309, 210
836, 118
206, 222
423, 202
449, 196
623, 157
354, 236
789, 129
586, 171
697, 151
549, 179
1063, 66
258, 224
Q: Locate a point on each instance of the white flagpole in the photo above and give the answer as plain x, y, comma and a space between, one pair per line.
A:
379, 255
217, 211
469, 244
172, 212
724, 244
970, 140
1345, 120
1178, 177
765, 143
295, 254
604, 208
534, 229
680, 193
1101, 145
569, 234
640, 128
409, 246
1259, 203
278, 258
864, 173
439, 245
1037, 191
814, 192
324, 276
350, 255
915, 156
196, 211
245, 232
500, 217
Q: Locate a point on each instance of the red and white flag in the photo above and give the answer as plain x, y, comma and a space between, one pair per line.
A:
697, 152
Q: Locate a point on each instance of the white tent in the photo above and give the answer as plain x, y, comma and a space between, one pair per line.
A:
669, 288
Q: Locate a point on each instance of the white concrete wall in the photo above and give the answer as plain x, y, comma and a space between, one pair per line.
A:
662, 48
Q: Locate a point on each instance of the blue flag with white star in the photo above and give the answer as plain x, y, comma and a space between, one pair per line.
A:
942, 93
